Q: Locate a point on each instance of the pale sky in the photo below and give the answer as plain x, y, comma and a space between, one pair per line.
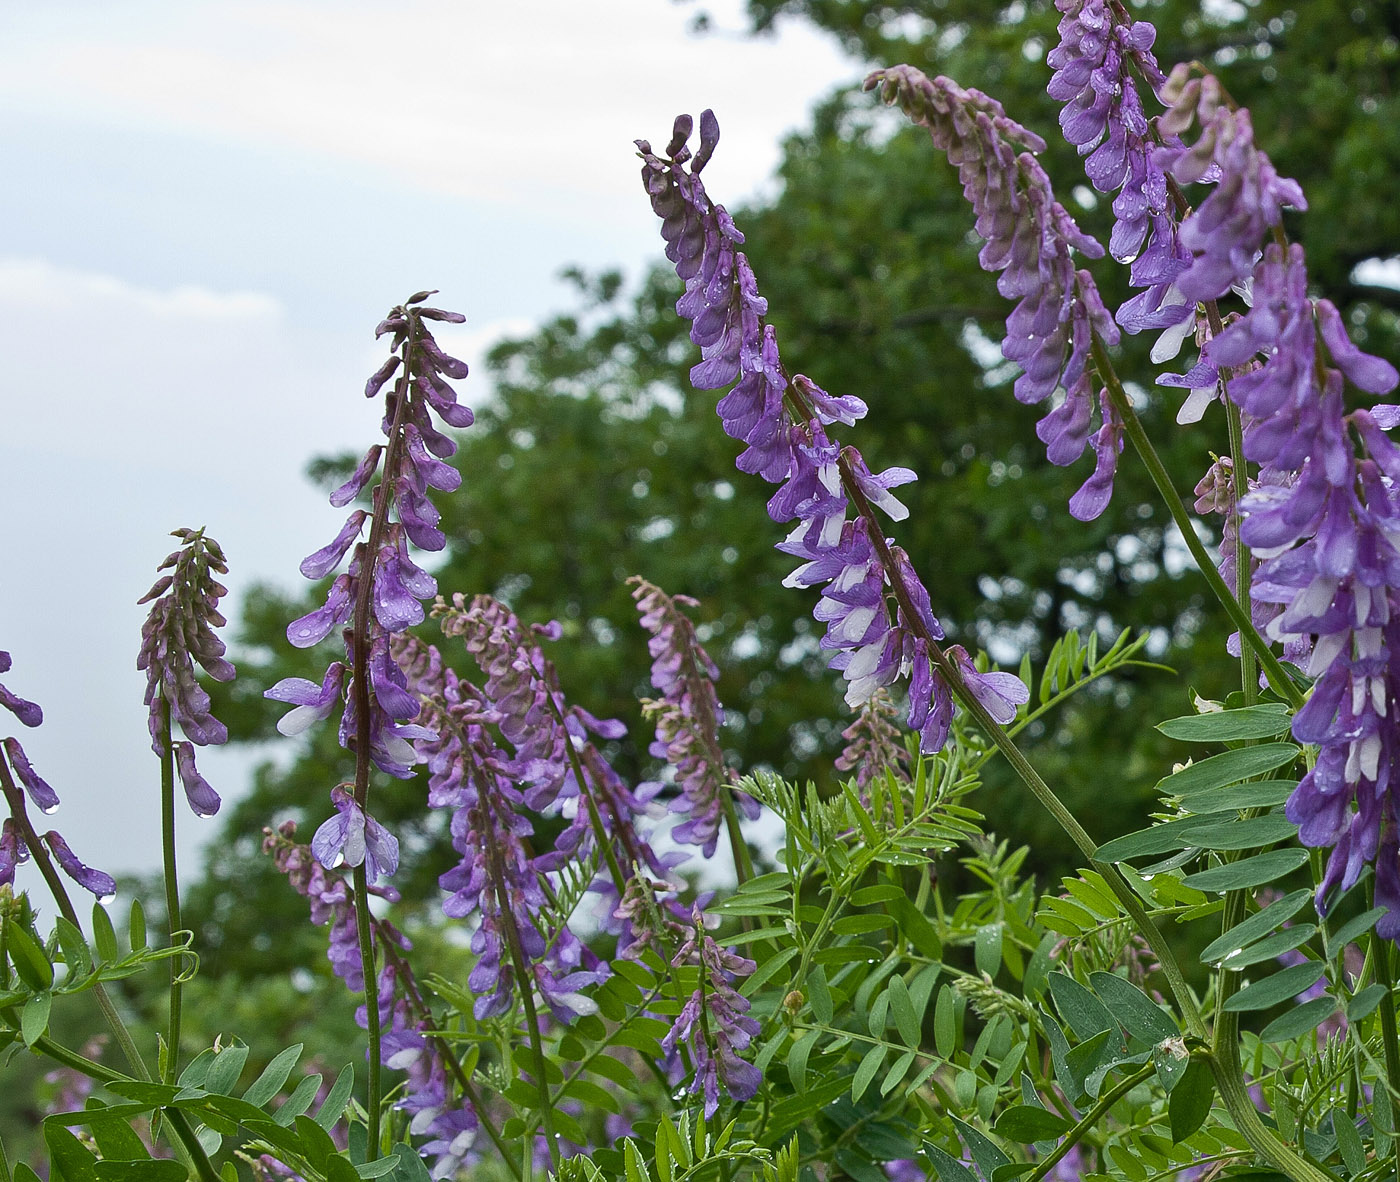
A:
207, 208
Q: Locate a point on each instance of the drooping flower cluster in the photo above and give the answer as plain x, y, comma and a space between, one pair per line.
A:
860, 570
178, 632
1030, 242
17, 834
381, 592
714, 1022
687, 716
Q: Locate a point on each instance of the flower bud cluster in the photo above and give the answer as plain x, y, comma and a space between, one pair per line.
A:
1030, 242
178, 632
381, 592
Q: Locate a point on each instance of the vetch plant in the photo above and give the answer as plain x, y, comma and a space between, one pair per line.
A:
591, 998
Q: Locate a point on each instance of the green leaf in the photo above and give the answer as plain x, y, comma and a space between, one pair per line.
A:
69, 1160
336, 1099
1226, 726
1365, 1002
76, 954
28, 957
1261, 923
1281, 986
1241, 834
944, 1023
946, 1168
1348, 1142
797, 1057
315, 1141
299, 1101
34, 1018
1220, 771
987, 1155
1085, 1013
1299, 1020
1353, 928
273, 1076
225, 1069
1190, 1100
1259, 870
905, 1017
986, 948
898, 1070
1026, 1123
1254, 794
819, 996
883, 892
1270, 947
1133, 1009
136, 926
141, 1170
1088, 1057
869, 1065
103, 934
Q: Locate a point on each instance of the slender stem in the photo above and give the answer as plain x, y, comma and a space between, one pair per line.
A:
1073, 1136
172, 889
371, 970
1386, 977
360, 641
1281, 683
743, 863
1230, 1081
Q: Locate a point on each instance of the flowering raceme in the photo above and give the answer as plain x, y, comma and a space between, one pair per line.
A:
783, 423
1030, 245
179, 631
382, 591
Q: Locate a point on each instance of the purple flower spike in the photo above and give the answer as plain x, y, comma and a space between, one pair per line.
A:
203, 799
45, 798
352, 837
177, 634
27, 712
1030, 239
104, 886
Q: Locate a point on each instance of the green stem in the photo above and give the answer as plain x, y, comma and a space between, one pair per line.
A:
1386, 977
172, 890
1073, 1136
743, 864
1281, 683
371, 971
1229, 1079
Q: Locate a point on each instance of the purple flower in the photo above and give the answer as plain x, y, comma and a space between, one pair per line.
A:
27, 712
352, 836
104, 886
45, 798
13, 852
312, 702
177, 634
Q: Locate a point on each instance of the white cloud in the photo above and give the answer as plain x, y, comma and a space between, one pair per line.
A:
40, 284
466, 99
